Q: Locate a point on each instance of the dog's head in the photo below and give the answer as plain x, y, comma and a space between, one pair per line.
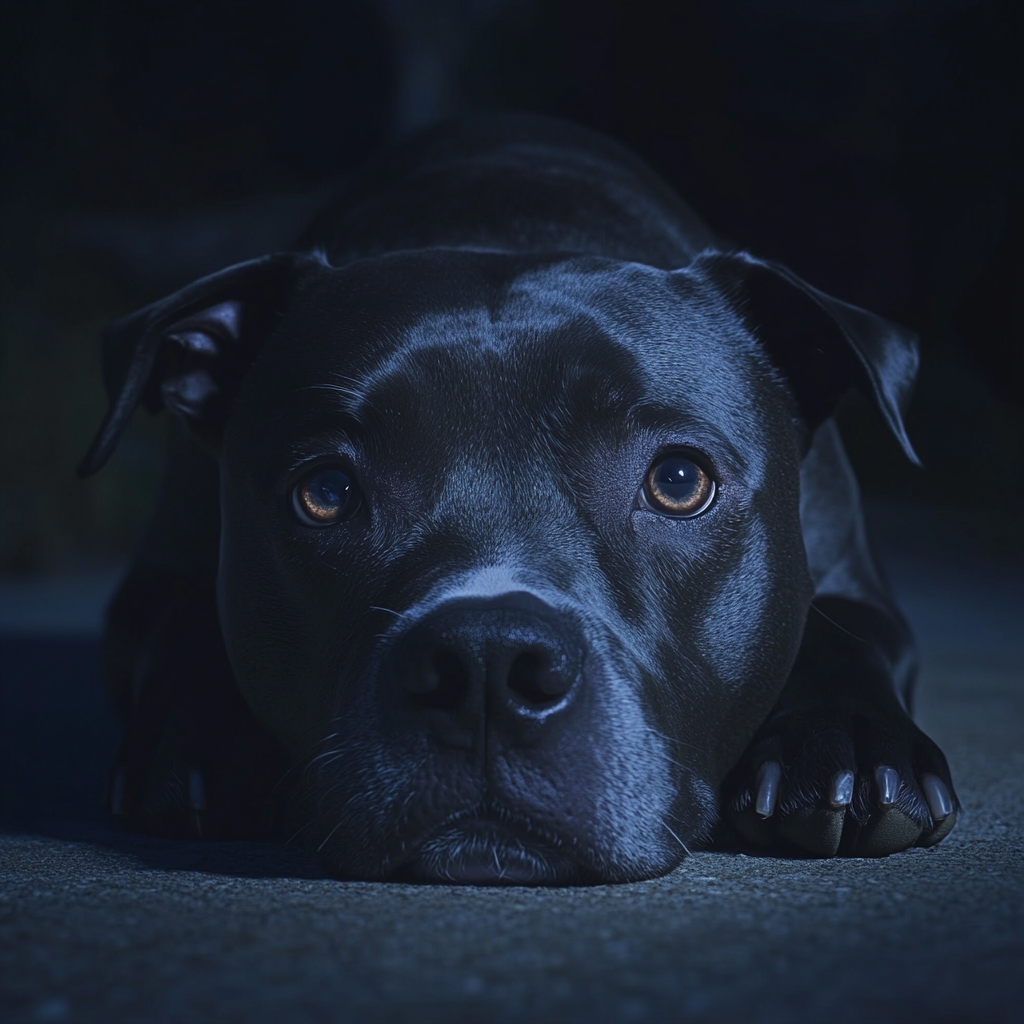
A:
511, 556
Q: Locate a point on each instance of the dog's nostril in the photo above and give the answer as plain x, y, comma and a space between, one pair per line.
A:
441, 682
533, 676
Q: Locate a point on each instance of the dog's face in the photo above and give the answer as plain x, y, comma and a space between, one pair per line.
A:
511, 560
511, 557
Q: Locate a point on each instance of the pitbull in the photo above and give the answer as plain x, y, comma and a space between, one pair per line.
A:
506, 537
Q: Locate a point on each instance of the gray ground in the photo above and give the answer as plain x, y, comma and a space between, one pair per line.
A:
95, 925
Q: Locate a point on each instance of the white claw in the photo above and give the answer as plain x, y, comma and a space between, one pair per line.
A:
888, 782
940, 803
769, 775
196, 790
842, 790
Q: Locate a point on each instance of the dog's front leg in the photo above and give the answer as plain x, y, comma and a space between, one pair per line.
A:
193, 760
839, 766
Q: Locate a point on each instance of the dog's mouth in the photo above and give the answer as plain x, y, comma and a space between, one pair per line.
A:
489, 847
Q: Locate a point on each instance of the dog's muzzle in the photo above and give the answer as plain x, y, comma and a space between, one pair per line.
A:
500, 679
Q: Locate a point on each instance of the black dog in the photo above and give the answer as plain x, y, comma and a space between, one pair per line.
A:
506, 536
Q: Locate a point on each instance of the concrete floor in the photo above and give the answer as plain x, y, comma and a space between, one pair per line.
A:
98, 925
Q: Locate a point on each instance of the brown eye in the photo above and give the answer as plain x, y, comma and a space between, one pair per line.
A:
325, 497
677, 486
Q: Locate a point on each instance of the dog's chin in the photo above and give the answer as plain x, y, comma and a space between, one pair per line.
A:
479, 851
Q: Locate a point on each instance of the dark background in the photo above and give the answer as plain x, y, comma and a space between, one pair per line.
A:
874, 146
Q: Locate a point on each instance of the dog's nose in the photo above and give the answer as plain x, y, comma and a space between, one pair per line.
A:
509, 664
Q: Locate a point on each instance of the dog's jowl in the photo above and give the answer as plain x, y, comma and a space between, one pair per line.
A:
506, 537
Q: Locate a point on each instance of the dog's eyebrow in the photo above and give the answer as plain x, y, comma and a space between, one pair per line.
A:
324, 441
350, 392
345, 408
314, 431
352, 397
654, 418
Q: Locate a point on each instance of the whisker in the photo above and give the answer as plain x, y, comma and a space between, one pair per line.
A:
326, 753
334, 755
350, 392
828, 618
302, 762
391, 611
675, 837
330, 835
670, 739
307, 827
672, 760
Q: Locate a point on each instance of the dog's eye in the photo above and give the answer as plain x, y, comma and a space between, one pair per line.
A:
677, 486
325, 497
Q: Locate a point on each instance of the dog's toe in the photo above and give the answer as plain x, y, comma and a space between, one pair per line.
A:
886, 832
938, 801
814, 830
819, 788
941, 800
884, 827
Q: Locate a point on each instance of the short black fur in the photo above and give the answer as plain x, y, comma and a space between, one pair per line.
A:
505, 666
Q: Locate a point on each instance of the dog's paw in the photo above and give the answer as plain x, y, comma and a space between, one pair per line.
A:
849, 781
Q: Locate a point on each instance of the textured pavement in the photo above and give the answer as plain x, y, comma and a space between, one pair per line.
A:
96, 925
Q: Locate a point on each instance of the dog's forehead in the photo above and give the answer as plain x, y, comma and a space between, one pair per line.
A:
506, 332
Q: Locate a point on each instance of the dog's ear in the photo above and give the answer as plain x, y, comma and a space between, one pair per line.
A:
823, 346
188, 351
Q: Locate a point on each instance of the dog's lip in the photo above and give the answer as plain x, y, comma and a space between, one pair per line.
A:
488, 846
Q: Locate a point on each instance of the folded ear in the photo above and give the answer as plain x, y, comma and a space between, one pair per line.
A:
188, 351
822, 345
